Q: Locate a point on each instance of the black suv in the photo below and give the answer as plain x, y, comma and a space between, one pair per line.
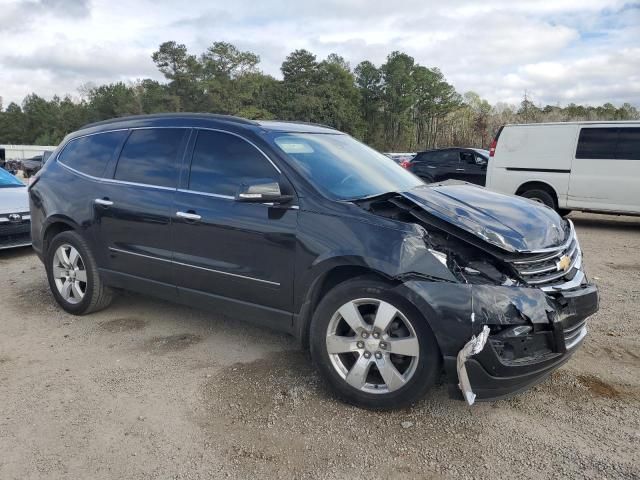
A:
301, 228
467, 164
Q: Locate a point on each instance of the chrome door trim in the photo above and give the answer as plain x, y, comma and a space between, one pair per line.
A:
118, 250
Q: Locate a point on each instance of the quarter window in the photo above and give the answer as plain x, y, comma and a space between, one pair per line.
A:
91, 154
223, 162
628, 144
150, 156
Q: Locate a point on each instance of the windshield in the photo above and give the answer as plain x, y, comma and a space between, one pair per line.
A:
7, 180
343, 168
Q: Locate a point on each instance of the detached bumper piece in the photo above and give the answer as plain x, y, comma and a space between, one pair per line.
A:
15, 230
472, 347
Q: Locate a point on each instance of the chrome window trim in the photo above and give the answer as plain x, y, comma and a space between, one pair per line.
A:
207, 194
194, 266
113, 181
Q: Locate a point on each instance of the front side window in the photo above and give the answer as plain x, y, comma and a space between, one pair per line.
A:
341, 167
597, 143
223, 162
467, 157
150, 156
91, 154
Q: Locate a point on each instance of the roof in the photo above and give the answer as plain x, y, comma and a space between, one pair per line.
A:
300, 127
273, 125
589, 122
165, 116
446, 148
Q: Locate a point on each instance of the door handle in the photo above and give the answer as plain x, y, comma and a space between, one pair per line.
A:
430, 166
189, 216
459, 169
105, 202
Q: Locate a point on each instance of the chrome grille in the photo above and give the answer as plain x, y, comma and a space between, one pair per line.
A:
551, 266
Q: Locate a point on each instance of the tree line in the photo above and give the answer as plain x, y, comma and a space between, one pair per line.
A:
397, 106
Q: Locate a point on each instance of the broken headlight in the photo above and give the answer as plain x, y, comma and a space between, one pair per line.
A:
471, 266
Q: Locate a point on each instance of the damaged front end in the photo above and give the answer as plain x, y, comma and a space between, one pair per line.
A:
515, 305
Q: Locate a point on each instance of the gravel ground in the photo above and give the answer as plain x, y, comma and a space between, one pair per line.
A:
146, 389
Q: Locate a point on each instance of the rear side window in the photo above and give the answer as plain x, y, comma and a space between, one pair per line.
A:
91, 154
150, 156
223, 162
628, 144
597, 143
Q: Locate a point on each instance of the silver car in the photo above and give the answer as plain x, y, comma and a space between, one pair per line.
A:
15, 220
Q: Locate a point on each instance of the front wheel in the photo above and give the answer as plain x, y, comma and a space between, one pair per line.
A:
372, 346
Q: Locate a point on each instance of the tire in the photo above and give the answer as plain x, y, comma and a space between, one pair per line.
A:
65, 275
540, 196
427, 179
407, 378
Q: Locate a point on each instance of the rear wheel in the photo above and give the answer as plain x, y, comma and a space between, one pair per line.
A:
427, 179
73, 275
372, 346
540, 196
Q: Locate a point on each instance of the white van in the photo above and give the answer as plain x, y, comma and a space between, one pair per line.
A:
590, 166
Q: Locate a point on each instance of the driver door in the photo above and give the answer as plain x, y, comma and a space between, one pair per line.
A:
237, 257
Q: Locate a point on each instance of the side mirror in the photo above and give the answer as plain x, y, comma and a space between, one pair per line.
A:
481, 161
262, 193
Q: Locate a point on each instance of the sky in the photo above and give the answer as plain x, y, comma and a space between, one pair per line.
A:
558, 52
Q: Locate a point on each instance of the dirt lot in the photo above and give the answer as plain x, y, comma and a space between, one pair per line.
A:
147, 389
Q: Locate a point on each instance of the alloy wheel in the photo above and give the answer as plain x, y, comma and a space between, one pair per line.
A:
69, 274
372, 345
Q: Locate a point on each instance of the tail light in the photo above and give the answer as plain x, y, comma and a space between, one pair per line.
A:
494, 142
405, 164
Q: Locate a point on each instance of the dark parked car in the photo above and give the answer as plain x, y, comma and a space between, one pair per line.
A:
303, 229
31, 166
467, 164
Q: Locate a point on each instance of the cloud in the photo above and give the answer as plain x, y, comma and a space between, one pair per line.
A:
23, 14
561, 51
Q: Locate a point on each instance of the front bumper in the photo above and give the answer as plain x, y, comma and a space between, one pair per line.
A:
532, 332
14, 234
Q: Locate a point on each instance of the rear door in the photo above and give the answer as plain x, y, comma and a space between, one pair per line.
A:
233, 255
605, 174
437, 165
133, 208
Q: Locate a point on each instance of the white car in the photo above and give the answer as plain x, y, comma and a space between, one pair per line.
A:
15, 220
589, 166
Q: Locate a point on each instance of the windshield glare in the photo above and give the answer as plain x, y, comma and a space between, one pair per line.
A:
7, 180
343, 168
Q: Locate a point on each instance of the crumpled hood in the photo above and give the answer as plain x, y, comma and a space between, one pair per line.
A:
14, 199
511, 223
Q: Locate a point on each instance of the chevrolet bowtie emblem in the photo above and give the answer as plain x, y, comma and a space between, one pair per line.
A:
564, 263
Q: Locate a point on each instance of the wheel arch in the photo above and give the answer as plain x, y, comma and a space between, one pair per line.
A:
53, 226
322, 284
538, 185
